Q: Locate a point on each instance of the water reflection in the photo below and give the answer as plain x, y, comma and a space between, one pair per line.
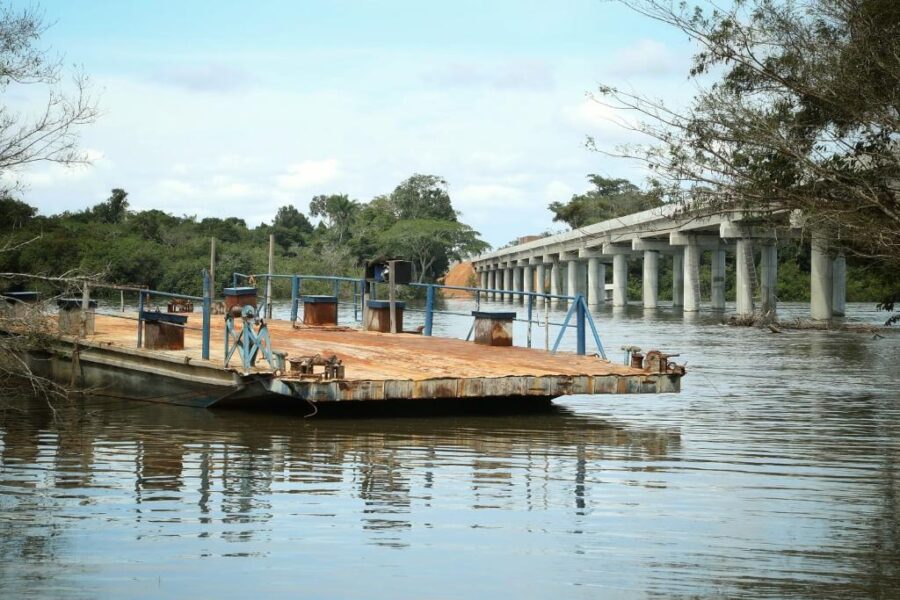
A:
774, 473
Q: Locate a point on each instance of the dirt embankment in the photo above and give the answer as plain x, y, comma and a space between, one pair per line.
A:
461, 274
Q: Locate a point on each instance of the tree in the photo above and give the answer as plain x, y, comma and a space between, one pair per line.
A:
290, 227
430, 244
16, 214
291, 218
114, 209
423, 197
51, 134
609, 199
803, 114
337, 212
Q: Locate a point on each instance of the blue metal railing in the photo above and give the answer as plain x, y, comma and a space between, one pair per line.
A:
577, 308
583, 320
205, 299
297, 289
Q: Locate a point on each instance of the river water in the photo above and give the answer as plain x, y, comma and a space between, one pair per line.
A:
775, 473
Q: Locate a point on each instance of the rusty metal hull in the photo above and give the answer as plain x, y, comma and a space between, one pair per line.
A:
379, 368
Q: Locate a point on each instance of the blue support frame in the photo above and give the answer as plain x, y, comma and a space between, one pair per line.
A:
583, 317
207, 313
429, 310
295, 297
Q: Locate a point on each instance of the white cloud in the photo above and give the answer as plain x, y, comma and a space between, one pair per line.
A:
488, 195
309, 173
558, 191
646, 58
178, 188
518, 75
206, 77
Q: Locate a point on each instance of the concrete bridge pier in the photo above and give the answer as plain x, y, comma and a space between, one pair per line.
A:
527, 278
492, 282
517, 283
821, 280
620, 279
596, 282
768, 276
839, 285
717, 291
554, 281
692, 254
620, 253
651, 278
540, 284
483, 278
571, 276
744, 280
508, 282
678, 278
496, 281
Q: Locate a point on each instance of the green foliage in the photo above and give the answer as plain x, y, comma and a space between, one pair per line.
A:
422, 197
796, 109
430, 244
114, 210
609, 199
16, 214
415, 222
337, 212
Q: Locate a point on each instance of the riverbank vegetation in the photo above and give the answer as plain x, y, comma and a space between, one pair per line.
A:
416, 221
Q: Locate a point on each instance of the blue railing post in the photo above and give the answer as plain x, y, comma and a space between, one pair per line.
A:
429, 309
295, 297
234, 279
140, 335
336, 288
530, 316
580, 325
357, 307
207, 309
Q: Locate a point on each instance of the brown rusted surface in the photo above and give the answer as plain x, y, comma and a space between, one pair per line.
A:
320, 313
373, 355
163, 336
493, 332
239, 302
178, 305
382, 366
379, 319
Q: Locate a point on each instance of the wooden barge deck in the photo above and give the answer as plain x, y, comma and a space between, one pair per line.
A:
377, 367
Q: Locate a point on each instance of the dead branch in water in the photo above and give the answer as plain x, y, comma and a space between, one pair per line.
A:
776, 326
27, 327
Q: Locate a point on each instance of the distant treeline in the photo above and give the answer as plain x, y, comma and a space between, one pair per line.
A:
416, 222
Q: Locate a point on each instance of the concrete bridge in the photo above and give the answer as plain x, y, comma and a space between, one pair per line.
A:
673, 233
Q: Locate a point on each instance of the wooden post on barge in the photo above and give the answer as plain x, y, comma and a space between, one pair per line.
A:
212, 267
393, 302
269, 275
85, 304
207, 310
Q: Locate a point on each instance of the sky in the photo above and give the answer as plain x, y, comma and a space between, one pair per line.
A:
235, 109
